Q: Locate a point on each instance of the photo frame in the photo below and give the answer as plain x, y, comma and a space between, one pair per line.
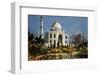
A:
19, 38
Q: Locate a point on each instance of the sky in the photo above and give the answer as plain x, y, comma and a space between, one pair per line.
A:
70, 24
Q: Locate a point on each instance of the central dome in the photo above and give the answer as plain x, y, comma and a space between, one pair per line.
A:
56, 26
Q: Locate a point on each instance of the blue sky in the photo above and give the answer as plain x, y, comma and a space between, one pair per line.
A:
70, 24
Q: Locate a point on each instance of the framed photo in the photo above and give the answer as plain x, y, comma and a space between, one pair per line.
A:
50, 38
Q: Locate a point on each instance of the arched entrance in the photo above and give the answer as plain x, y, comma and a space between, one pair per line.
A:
60, 40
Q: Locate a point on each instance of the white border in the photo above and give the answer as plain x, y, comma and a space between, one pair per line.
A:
19, 38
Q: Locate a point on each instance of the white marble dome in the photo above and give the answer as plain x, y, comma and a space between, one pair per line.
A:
56, 26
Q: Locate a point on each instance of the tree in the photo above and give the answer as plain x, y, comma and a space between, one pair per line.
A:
76, 39
30, 36
39, 40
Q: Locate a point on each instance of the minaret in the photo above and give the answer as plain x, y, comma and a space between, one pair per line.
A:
41, 26
38, 34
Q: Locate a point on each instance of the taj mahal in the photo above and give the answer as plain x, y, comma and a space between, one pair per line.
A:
55, 36
53, 39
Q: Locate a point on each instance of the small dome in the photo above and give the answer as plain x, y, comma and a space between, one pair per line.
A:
56, 26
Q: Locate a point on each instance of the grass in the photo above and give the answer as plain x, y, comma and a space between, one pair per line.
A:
57, 53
